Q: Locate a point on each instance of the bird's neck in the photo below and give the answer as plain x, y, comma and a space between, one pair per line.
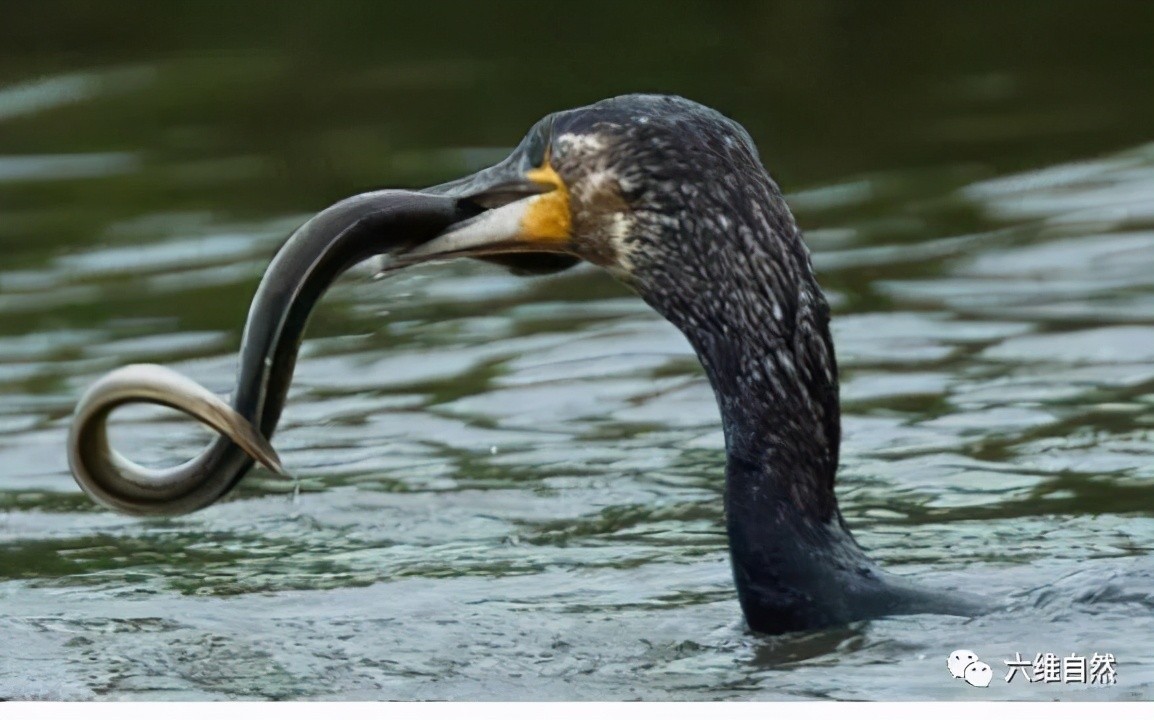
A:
793, 558
794, 561
760, 325
778, 400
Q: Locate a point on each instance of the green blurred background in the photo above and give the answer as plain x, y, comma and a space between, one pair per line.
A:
248, 108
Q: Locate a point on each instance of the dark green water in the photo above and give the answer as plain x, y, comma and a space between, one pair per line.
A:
511, 488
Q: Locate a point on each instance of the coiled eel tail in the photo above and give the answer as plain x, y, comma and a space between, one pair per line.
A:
306, 265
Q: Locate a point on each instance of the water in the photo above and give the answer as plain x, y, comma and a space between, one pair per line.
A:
510, 488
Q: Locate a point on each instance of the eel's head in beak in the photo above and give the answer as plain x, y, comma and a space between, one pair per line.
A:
557, 199
520, 214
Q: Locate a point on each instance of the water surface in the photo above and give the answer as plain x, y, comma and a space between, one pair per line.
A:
511, 488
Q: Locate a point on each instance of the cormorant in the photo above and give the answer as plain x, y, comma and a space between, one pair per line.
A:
670, 197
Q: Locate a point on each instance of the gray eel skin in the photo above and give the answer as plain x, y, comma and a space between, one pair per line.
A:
337, 238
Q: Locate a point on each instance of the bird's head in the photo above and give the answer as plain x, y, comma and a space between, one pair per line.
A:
671, 197
660, 191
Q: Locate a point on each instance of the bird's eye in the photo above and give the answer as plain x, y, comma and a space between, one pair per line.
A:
535, 152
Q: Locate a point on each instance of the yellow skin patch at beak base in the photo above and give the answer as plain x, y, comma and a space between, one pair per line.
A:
548, 219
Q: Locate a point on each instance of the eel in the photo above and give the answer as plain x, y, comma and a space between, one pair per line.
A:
348, 232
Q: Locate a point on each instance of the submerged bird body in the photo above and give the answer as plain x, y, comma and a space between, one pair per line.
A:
671, 198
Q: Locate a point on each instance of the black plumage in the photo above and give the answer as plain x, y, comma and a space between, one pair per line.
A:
672, 198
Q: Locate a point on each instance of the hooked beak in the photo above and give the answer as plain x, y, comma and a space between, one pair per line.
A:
519, 209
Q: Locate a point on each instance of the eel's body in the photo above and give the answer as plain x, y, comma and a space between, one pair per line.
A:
305, 266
